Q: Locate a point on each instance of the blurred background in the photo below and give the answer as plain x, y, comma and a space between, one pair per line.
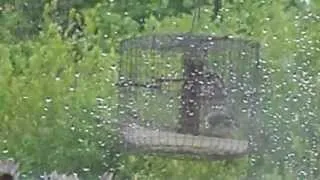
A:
59, 64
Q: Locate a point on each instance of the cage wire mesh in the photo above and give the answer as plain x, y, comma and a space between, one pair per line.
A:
190, 95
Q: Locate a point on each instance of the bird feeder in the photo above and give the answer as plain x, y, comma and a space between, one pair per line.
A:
189, 95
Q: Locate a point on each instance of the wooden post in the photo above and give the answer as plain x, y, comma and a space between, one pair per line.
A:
190, 99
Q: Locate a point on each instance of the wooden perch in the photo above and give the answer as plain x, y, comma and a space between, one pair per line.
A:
154, 141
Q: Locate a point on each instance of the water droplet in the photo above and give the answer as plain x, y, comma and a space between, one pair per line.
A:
48, 100
71, 89
86, 169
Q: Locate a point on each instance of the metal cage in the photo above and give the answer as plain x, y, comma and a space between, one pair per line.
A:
184, 94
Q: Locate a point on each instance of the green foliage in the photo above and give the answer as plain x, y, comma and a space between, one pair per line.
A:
48, 103
58, 64
148, 167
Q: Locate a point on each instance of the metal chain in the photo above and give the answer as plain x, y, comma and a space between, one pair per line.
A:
196, 16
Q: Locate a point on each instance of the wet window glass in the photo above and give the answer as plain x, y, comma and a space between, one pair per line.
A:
161, 89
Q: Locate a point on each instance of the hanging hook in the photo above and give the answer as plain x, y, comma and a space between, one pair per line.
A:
196, 15
216, 9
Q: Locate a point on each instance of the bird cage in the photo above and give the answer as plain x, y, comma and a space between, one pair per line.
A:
190, 95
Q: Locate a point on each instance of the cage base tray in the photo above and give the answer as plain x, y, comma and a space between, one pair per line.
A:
140, 139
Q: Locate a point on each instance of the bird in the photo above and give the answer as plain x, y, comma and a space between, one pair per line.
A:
220, 124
